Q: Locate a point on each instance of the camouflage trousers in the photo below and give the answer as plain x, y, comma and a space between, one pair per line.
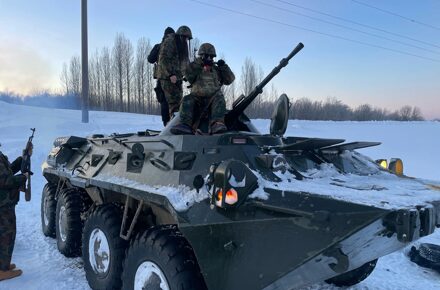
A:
7, 235
173, 94
164, 108
192, 106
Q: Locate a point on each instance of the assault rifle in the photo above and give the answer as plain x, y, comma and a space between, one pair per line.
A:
26, 165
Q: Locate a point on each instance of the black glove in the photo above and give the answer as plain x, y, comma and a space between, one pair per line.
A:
20, 180
221, 62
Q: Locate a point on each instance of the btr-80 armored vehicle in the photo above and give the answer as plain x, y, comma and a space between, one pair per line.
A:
240, 210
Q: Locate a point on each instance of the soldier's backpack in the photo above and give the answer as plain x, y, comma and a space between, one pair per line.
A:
153, 57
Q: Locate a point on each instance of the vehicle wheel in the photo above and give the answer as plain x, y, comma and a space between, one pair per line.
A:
103, 249
48, 210
68, 222
161, 258
354, 276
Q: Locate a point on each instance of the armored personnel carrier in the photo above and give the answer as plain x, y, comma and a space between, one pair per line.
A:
239, 210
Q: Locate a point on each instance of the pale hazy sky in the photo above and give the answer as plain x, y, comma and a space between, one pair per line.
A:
36, 37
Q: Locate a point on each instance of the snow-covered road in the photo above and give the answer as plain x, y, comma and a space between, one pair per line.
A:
417, 143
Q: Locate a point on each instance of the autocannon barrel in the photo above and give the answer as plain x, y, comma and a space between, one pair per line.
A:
244, 101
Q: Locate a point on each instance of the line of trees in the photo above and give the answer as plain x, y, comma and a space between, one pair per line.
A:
121, 79
333, 109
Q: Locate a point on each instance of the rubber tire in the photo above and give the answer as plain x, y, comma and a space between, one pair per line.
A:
108, 218
71, 199
430, 252
168, 249
49, 191
354, 276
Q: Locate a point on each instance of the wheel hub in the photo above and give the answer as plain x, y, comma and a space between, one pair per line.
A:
62, 223
99, 252
150, 276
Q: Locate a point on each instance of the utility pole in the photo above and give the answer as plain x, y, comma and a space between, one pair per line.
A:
84, 63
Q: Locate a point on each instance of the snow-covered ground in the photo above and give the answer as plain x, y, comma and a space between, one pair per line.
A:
417, 143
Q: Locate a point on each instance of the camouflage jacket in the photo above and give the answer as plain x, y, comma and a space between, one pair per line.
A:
205, 83
169, 63
9, 184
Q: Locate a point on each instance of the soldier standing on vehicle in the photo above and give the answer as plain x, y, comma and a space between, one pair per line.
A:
10, 186
206, 79
173, 60
153, 58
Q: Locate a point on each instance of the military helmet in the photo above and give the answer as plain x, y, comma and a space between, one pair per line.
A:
168, 30
184, 31
207, 48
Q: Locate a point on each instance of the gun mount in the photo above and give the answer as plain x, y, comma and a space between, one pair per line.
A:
243, 101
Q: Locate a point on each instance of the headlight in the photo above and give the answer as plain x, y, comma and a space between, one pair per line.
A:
396, 166
382, 163
231, 197
232, 182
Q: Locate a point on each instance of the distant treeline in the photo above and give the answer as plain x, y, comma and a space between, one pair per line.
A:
334, 110
42, 99
121, 79
301, 109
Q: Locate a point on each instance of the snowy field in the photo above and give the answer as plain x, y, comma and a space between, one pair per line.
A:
417, 143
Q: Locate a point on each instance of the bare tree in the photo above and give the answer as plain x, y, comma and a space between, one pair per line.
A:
106, 78
64, 77
405, 113
153, 106
302, 109
416, 114
229, 91
193, 48
248, 80
230, 94
95, 81
128, 67
248, 76
142, 73
75, 77
334, 109
118, 68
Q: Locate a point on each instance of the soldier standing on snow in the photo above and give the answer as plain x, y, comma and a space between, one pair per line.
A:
10, 186
153, 58
206, 79
173, 60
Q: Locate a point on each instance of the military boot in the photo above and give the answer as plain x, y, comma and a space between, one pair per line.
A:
218, 127
4, 275
182, 129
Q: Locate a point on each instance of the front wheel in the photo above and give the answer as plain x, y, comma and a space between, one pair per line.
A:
103, 249
68, 222
161, 258
354, 276
48, 210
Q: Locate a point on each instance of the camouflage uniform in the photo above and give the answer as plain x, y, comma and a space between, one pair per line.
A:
170, 64
206, 83
9, 195
153, 58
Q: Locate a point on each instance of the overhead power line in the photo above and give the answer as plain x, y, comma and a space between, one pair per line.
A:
313, 31
344, 26
395, 14
358, 23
